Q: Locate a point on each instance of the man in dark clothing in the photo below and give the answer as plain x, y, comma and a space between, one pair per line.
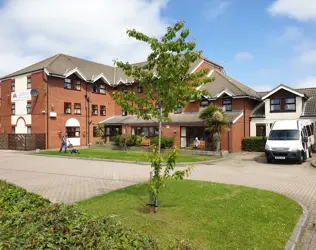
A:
64, 143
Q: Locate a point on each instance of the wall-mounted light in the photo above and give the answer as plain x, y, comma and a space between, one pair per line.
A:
174, 131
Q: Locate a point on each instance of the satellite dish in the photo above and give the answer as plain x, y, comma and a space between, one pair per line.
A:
34, 92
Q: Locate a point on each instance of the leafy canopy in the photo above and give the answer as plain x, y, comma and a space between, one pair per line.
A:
165, 77
215, 118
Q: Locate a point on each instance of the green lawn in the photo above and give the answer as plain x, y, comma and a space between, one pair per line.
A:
137, 156
209, 215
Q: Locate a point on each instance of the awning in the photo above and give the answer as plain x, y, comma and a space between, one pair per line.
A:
184, 118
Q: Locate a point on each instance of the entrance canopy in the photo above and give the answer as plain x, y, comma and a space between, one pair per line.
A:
72, 122
184, 118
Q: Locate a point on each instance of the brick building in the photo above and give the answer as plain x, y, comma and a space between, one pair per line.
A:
65, 93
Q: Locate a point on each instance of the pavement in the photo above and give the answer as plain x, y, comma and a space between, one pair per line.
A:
71, 180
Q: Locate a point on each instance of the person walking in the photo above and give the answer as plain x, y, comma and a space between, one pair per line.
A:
64, 143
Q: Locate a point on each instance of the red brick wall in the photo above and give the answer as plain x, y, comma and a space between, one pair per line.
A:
58, 96
5, 108
236, 136
39, 104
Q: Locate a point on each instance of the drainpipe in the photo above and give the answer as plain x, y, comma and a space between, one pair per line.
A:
88, 115
46, 118
244, 117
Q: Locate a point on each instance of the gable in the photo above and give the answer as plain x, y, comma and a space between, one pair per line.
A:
284, 88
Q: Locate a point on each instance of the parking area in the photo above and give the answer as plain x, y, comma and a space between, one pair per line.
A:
69, 180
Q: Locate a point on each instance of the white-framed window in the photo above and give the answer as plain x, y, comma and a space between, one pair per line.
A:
78, 85
102, 110
29, 108
77, 108
67, 83
29, 83
13, 109
13, 86
94, 109
124, 113
102, 89
67, 107
227, 104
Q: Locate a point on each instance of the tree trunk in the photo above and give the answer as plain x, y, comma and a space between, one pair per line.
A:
159, 131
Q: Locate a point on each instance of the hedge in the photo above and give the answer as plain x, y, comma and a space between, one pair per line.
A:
28, 221
130, 140
166, 142
253, 144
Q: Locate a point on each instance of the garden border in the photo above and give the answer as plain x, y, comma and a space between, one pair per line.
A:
180, 164
298, 229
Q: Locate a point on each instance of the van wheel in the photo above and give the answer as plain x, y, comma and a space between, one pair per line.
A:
268, 160
301, 159
310, 151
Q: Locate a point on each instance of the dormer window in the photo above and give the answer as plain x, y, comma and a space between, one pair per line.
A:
227, 104
67, 83
283, 104
290, 104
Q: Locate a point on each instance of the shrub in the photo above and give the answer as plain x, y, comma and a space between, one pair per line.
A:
166, 142
34, 223
137, 140
253, 144
129, 140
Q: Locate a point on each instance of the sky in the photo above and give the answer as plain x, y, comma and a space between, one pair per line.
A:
262, 43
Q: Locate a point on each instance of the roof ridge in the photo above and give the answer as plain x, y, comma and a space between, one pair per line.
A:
54, 59
227, 77
90, 61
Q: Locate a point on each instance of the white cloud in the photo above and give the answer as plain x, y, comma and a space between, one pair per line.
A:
214, 8
302, 10
308, 57
291, 33
95, 29
309, 82
244, 56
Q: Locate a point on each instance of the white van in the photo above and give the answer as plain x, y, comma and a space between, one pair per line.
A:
290, 140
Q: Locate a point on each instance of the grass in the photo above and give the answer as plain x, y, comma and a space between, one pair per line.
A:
136, 156
209, 215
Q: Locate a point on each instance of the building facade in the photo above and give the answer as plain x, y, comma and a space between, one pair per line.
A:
282, 103
68, 94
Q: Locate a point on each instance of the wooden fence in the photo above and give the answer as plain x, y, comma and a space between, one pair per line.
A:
24, 142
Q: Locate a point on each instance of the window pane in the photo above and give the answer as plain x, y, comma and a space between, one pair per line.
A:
275, 107
227, 101
289, 106
290, 100
275, 101
151, 132
145, 131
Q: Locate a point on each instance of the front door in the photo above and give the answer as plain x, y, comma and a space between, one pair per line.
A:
112, 131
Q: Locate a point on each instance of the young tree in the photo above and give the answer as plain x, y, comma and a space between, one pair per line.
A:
166, 80
216, 120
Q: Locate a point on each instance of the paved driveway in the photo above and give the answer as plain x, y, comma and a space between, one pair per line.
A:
70, 180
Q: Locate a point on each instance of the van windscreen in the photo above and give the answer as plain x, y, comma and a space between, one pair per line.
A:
284, 135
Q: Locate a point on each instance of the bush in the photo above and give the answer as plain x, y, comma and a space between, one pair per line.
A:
130, 140
253, 144
31, 222
166, 142
137, 140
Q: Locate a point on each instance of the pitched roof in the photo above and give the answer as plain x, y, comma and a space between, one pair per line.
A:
281, 86
60, 64
223, 82
184, 118
309, 108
